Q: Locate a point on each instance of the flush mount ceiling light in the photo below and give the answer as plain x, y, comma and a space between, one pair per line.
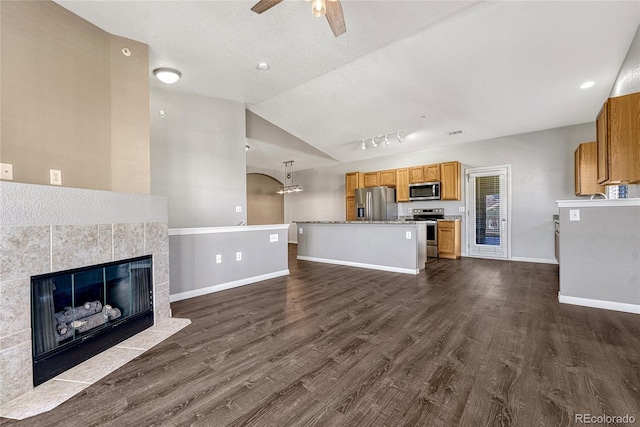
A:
587, 85
167, 75
289, 186
384, 137
263, 66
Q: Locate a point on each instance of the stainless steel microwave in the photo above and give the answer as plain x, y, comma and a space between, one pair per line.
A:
424, 191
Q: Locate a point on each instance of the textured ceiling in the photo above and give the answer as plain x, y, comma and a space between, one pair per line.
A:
426, 67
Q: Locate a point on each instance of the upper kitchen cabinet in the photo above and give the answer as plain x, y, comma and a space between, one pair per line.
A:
618, 140
586, 170
371, 179
353, 180
450, 181
388, 178
402, 185
432, 173
416, 174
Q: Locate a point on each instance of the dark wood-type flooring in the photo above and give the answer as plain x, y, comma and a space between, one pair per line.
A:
469, 342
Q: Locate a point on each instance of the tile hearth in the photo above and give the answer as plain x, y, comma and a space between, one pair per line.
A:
66, 385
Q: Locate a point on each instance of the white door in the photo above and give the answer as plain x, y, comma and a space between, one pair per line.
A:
488, 210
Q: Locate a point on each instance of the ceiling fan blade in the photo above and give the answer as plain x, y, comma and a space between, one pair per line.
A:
335, 17
264, 5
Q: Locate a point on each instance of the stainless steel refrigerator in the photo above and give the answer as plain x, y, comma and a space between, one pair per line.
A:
376, 204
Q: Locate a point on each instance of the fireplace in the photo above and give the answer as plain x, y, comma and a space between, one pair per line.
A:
79, 313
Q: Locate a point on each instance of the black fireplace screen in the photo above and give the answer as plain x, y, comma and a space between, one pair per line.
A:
71, 308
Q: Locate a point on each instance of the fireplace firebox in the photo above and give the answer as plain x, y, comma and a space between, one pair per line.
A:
79, 313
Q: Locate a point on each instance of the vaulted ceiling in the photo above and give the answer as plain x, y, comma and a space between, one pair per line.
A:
425, 68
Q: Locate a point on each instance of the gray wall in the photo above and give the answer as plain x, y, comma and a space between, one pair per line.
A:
198, 158
628, 80
600, 254
195, 272
542, 172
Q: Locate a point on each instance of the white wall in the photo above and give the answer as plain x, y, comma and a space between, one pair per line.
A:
542, 172
628, 80
198, 158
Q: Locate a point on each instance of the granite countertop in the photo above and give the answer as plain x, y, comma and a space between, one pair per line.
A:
396, 221
451, 218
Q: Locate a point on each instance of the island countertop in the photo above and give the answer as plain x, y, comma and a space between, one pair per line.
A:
396, 246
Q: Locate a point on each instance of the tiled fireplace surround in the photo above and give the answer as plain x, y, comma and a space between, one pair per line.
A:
46, 229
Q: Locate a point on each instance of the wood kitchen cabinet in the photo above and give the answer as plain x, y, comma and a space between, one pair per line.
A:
450, 181
388, 178
618, 140
371, 179
351, 209
353, 180
416, 175
432, 173
449, 239
402, 185
586, 169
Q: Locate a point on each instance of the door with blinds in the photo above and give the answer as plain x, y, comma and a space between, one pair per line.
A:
488, 209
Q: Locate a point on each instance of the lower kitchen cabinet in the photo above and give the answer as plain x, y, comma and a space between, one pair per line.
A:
449, 239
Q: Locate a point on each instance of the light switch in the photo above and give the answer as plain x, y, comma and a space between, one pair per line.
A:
460, 208
408, 235
574, 214
301, 231
6, 170
218, 258
238, 256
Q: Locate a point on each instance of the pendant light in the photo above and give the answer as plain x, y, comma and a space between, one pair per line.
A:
289, 186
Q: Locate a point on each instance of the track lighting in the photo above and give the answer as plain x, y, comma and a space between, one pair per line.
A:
385, 137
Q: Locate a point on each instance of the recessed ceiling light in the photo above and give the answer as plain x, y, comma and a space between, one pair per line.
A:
263, 66
587, 85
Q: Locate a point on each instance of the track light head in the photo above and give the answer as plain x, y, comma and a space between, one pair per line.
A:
374, 143
364, 145
400, 139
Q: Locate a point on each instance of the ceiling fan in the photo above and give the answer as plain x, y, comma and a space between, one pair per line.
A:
332, 9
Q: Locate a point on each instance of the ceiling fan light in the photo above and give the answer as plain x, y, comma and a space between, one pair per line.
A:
318, 8
167, 75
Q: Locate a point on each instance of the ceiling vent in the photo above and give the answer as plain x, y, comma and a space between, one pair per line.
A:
455, 132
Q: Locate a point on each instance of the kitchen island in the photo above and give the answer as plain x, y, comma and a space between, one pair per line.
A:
396, 246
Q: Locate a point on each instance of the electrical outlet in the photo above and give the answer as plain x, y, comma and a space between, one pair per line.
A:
238, 209
460, 208
574, 214
273, 238
238, 256
408, 235
218, 258
301, 231
6, 171
56, 177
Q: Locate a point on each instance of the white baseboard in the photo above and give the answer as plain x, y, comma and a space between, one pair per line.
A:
536, 260
595, 303
360, 265
229, 285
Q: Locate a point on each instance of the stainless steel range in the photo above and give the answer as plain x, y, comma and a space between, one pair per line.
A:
431, 217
